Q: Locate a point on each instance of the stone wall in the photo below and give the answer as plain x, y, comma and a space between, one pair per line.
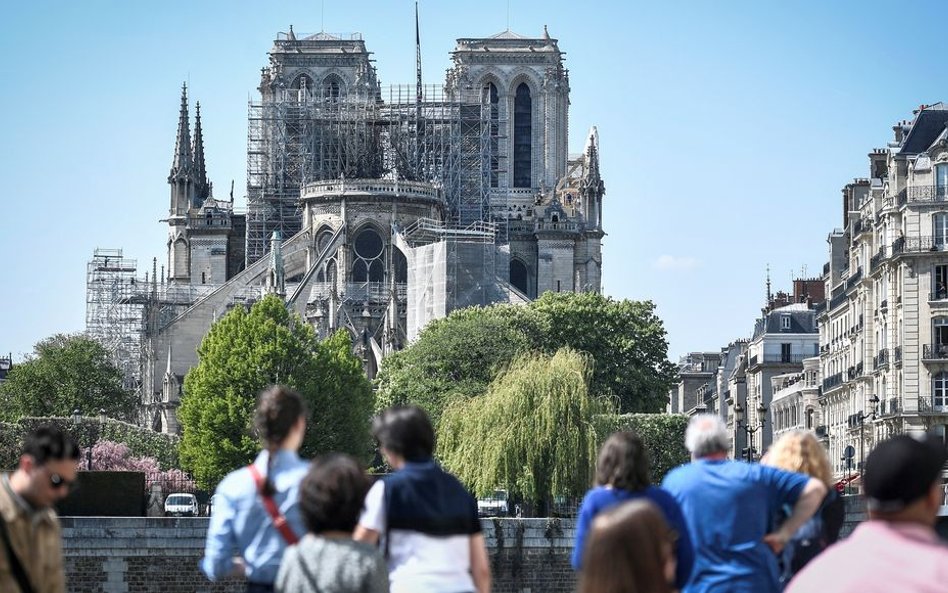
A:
141, 555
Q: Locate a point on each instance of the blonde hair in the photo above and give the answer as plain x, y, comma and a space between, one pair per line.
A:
799, 451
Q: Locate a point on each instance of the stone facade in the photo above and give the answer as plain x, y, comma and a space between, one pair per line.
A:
356, 224
131, 555
883, 353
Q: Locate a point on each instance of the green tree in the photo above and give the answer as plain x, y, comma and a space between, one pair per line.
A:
65, 373
462, 353
456, 356
246, 351
534, 432
626, 339
662, 434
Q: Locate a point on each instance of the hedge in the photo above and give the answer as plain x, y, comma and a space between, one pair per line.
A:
663, 435
141, 442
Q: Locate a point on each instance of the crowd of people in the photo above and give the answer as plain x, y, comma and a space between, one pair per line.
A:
714, 525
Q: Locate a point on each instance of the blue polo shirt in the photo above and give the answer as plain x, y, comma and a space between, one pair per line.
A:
729, 506
601, 498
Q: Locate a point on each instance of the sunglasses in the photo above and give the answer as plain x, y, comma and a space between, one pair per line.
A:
57, 482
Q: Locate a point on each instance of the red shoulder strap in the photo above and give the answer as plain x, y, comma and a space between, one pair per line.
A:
279, 521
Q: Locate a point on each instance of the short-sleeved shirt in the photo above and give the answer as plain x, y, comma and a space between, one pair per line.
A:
729, 506
419, 562
602, 498
879, 557
332, 565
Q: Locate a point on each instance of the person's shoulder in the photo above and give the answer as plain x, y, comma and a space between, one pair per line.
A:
598, 494
660, 495
679, 474
234, 482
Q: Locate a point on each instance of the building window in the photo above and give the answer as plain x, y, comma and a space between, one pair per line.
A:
518, 275
784, 322
941, 180
940, 389
491, 101
332, 89
940, 285
368, 265
785, 350
940, 229
523, 137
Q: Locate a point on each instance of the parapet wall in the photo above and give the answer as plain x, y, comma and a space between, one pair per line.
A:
142, 555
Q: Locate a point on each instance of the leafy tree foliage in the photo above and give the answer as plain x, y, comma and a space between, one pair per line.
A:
625, 338
246, 351
65, 373
458, 355
112, 456
461, 354
534, 432
662, 434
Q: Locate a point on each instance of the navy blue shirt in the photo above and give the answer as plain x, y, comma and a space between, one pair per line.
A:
602, 498
729, 506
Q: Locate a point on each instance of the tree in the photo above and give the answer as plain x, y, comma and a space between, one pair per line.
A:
533, 433
246, 351
626, 339
456, 356
462, 353
66, 373
112, 456
662, 434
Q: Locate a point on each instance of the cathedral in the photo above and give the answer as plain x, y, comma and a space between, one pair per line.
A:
377, 209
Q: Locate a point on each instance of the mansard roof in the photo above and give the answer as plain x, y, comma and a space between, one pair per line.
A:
928, 125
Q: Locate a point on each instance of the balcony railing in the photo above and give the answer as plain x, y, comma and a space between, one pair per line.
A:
832, 381
782, 358
877, 259
918, 244
935, 351
939, 294
930, 404
889, 407
854, 279
859, 370
881, 359
927, 193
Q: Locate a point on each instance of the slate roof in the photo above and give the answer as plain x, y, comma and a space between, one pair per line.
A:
927, 127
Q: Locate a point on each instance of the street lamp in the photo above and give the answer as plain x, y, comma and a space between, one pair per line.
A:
873, 408
748, 428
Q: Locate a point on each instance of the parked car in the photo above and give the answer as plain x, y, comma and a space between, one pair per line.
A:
495, 506
181, 504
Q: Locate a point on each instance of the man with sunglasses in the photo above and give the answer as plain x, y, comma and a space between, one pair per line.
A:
30, 542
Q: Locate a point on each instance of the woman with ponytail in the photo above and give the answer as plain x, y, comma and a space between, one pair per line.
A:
256, 511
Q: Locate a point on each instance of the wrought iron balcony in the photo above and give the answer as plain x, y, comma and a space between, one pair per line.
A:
854, 279
881, 359
927, 193
832, 381
939, 294
930, 405
877, 259
935, 352
918, 244
889, 407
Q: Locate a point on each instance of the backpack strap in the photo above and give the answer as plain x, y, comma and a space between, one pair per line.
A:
19, 573
279, 521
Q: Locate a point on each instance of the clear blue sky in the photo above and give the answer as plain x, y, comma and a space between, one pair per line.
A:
727, 129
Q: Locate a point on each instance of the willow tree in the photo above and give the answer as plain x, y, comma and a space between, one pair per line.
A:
532, 433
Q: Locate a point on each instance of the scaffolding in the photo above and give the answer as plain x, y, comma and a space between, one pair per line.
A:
115, 310
304, 138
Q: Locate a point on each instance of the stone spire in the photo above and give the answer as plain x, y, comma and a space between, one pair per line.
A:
182, 147
202, 187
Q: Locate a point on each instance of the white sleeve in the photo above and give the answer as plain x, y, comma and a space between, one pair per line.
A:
373, 514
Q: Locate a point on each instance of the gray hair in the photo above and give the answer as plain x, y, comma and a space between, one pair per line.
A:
706, 435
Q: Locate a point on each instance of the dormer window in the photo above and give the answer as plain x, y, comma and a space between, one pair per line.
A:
784, 322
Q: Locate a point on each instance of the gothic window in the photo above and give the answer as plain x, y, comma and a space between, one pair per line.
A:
940, 389
518, 275
941, 180
369, 256
491, 100
523, 137
180, 257
940, 229
302, 87
401, 266
333, 89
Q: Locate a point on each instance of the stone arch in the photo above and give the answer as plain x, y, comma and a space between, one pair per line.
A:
332, 88
519, 275
368, 246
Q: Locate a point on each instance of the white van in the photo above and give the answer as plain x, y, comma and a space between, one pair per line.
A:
181, 504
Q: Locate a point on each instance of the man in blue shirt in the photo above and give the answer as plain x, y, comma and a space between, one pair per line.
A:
729, 507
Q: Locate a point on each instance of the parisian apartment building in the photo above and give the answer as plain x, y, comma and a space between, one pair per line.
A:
861, 353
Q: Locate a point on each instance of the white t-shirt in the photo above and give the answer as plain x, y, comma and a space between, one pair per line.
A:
419, 563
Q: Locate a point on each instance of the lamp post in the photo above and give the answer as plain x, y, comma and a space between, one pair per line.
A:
873, 408
748, 428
